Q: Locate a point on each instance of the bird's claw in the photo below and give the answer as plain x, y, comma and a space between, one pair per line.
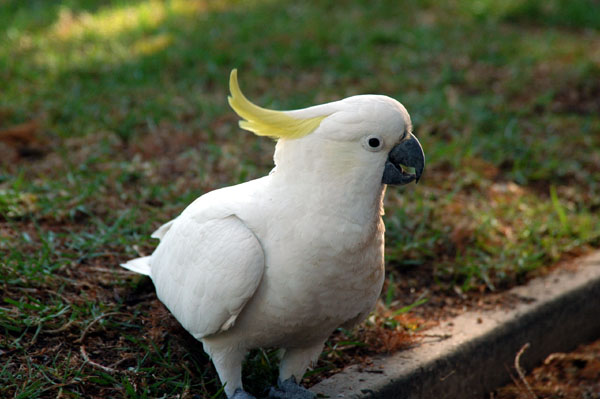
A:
241, 394
289, 389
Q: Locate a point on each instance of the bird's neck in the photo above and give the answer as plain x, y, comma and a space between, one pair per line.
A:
330, 185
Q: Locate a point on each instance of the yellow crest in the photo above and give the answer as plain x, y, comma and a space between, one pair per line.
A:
267, 122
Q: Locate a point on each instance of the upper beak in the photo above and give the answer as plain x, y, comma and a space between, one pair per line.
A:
408, 153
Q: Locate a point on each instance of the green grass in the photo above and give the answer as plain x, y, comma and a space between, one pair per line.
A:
129, 98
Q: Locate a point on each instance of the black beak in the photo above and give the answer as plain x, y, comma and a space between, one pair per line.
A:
408, 153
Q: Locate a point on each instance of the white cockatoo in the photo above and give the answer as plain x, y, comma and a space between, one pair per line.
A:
284, 260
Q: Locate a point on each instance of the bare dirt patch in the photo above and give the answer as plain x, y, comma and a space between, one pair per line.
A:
562, 375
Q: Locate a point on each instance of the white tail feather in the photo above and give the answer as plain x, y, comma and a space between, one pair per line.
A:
138, 265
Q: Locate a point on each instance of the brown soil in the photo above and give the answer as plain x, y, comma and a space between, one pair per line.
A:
571, 375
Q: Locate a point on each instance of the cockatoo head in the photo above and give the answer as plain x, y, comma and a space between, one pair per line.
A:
365, 132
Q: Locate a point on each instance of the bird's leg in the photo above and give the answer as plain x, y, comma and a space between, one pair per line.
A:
228, 362
241, 394
293, 366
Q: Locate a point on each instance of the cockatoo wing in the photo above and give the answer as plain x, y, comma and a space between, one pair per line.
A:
142, 265
162, 230
205, 271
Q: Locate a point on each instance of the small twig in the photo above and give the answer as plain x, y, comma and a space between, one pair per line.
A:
437, 337
93, 363
441, 336
512, 377
84, 354
447, 376
522, 373
82, 337
61, 329
124, 359
568, 356
186, 368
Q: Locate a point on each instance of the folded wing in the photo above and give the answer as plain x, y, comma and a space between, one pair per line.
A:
205, 271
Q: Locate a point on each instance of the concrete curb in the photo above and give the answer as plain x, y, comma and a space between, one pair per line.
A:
559, 311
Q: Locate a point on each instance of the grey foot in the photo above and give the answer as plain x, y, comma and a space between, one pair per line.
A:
289, 389
241, 394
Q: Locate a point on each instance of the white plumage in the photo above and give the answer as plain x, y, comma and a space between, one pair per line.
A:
283, 260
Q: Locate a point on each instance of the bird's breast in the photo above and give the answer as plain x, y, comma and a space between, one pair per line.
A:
322, 280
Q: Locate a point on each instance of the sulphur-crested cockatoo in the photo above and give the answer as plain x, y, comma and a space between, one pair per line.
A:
284, 260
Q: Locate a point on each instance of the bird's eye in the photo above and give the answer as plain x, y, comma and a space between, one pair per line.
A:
373, 143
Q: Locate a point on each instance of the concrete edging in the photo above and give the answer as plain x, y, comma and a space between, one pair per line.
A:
560, 311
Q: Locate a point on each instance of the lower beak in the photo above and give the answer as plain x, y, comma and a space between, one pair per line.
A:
408, 153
